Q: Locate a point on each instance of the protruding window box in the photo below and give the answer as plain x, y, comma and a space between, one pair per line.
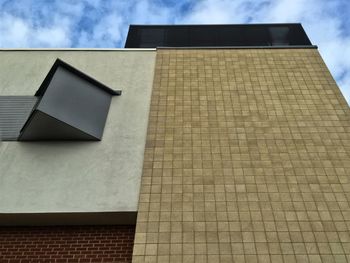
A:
70, 106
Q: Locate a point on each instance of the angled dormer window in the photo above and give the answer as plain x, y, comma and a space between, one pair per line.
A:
69, 105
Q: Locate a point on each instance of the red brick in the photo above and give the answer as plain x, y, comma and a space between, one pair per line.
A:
66, 244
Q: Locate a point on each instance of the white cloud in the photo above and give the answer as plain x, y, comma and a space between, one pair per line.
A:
17, 32
13, 30
221, 12
106, 33
51, 37
345, 83
145, 12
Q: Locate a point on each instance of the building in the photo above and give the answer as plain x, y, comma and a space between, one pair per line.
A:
211, 143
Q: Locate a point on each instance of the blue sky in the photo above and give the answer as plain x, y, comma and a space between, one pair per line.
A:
104, 23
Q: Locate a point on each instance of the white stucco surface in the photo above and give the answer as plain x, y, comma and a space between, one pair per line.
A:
41, 177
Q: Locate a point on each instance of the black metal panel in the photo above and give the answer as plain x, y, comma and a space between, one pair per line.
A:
14, 111
261, 35
77, 102
43, 127
62, 64
71, 106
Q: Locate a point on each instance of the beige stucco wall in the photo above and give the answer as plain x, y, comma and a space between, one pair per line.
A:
41, 177
247, 160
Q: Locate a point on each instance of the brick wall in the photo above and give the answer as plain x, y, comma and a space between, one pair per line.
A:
66, 244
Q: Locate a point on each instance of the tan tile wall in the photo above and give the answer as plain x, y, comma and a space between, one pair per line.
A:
247, 160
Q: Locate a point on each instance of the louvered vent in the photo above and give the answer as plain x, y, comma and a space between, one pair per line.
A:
14, 111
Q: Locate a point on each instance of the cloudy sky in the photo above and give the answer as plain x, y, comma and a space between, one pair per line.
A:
104, 23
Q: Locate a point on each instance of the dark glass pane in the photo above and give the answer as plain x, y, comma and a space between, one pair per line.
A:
217, 35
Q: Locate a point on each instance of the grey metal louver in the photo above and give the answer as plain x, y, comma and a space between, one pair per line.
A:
14, 111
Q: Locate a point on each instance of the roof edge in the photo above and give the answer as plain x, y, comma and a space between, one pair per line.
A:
78, 49
253, 24
247, 47
68, 218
